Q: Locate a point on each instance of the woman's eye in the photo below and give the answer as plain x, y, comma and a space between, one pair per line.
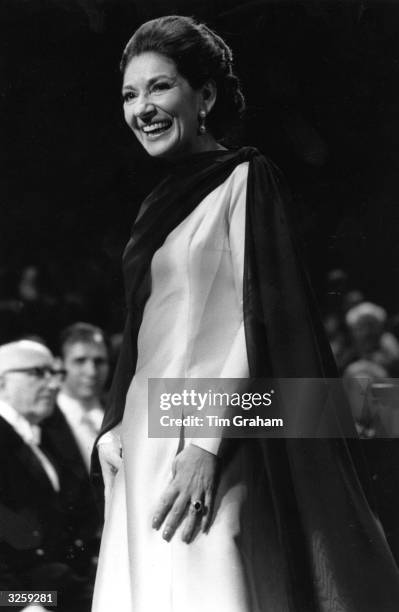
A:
160, 86
128, 96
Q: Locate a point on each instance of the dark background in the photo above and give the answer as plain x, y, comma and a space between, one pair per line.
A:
322, 86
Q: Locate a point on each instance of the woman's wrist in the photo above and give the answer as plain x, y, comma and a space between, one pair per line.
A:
211, 445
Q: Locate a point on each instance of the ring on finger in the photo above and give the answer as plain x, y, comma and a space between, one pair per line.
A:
197, 506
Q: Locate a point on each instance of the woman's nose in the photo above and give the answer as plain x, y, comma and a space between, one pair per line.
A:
144, 109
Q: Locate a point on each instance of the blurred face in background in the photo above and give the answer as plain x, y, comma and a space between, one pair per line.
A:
28, 286
28, 382
366, 334
87, 367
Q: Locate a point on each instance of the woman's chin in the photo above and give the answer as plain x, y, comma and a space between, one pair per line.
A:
169, 146
161, 146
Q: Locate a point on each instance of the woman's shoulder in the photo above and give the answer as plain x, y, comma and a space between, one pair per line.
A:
264, 171
239, 175
237, 188
249, 154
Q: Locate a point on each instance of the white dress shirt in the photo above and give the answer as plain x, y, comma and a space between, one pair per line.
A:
85, 423
31, 435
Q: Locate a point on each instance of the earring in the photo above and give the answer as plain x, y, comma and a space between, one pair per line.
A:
202, 124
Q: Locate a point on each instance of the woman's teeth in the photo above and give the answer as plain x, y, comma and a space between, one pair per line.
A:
157, 128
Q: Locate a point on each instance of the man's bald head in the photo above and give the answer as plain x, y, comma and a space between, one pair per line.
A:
26, 380
23, 353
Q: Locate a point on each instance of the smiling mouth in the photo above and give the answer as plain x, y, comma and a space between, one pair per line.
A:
156, 128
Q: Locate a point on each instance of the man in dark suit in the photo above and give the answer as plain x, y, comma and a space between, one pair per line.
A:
77, 494
48, 523
85, 357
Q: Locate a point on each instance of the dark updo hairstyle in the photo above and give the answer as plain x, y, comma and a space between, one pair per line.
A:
200, 55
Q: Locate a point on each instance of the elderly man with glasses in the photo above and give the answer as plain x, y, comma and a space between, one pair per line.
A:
41, 547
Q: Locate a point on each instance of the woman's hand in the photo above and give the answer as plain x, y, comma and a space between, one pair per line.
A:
194, 474
109, 454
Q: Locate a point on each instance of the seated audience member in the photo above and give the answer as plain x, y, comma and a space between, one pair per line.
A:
359, 378
41, 546
374, 399
337, 335
370, 341
338, 299
351, 299
85, 359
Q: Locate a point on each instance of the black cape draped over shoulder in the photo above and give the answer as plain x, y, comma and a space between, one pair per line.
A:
336, 557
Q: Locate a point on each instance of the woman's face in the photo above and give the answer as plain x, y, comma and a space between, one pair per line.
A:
162, 108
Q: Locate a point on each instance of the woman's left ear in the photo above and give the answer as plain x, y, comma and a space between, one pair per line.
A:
208, 94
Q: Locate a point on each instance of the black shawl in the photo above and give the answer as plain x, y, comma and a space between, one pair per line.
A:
336, 557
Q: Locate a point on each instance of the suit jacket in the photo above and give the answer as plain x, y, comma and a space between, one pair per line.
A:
43, 546
83, 516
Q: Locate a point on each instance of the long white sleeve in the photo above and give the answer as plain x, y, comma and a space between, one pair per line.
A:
236, 363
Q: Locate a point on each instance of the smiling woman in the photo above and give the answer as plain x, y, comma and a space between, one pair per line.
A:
197, 62
215, 290
162, 108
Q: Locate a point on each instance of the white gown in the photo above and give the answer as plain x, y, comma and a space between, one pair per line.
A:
192, 327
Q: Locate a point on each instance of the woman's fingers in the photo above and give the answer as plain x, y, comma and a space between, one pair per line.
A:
200, 516
109, 478
109, 472
174, 518
193, 518
110, 461
164, 506
189, 495
208, 510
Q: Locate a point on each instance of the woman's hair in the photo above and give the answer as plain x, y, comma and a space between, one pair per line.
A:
200, 55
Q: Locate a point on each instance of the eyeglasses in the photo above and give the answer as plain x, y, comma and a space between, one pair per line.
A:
39, 372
